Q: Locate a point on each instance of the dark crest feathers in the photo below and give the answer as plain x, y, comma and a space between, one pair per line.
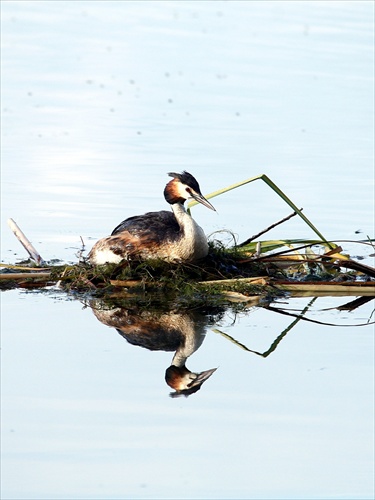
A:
187, 179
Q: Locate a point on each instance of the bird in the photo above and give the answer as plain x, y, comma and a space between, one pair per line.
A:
171, 236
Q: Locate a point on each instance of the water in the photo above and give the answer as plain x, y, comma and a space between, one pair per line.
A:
88, 415
99, 101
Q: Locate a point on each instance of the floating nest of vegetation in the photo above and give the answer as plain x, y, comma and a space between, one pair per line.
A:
236, 274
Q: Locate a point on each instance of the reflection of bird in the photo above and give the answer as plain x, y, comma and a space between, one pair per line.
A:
185, 382
180, 332
164, 235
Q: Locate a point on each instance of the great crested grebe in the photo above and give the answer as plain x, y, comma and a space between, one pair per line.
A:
163, 235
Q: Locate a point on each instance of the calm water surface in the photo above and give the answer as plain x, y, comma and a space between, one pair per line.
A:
99, 101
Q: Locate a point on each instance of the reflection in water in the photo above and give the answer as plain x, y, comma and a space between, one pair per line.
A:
349, 306
182, 332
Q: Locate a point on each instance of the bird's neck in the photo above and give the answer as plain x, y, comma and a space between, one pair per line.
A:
180, 213
187, 224
193, 242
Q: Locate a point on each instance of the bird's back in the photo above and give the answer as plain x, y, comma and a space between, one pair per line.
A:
156, 226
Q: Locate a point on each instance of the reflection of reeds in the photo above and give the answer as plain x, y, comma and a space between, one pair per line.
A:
298, 317
278, 339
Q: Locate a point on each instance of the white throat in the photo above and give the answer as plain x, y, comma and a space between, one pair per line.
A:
193, 242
